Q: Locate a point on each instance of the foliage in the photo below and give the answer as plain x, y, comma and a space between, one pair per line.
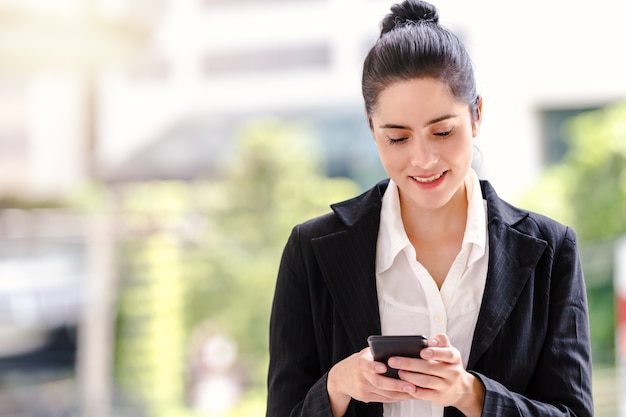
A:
587, 190
151, 334
200, 260
598, 161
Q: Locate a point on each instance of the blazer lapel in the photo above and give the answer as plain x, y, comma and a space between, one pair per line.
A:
349, 265
350, 272
513, 256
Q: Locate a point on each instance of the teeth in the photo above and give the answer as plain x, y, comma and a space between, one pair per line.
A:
429, 179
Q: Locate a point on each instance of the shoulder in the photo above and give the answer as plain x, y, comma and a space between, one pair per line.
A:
345, 214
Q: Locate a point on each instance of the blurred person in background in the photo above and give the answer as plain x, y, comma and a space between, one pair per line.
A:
432, 250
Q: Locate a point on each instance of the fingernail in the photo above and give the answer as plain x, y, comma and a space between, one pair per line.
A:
380, 368
393, 362
408, 388
427, 353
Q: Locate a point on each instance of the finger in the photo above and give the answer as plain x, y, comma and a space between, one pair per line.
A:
442, 355
422, 381
439, 340
393, 385
367, 362
367, 353
440, 349
390, 397
379, 368
379, 391
408, 364
379, 381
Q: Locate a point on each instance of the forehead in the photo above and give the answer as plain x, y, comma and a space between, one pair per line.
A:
419, 97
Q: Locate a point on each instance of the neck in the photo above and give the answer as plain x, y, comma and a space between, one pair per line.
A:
434, 225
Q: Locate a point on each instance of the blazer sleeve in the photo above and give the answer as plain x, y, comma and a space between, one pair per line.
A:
296, 380
561, 382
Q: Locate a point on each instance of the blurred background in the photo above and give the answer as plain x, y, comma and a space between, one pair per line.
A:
154, 155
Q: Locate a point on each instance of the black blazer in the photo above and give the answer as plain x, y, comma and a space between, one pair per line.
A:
531, 347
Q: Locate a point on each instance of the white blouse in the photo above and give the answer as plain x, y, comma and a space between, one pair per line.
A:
408, 298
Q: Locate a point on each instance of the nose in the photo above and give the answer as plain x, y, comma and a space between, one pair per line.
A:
423, 154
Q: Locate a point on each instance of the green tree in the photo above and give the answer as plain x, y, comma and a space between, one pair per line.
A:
587, 190
151, 333
204, 255
272, 182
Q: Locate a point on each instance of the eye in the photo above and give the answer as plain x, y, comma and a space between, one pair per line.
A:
395, 141
444, 134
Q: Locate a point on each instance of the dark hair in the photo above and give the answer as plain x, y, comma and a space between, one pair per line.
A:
412, 45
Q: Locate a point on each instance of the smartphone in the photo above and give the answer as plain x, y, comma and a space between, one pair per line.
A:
383, 347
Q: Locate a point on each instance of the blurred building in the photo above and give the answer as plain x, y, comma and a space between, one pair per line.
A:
209, 64
214, 63
51, 57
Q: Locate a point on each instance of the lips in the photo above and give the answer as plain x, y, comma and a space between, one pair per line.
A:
430, 179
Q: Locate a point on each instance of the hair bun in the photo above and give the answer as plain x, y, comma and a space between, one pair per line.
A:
409, 12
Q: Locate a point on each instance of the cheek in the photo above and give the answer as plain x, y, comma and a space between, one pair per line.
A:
466, 153
462, 149
391, 158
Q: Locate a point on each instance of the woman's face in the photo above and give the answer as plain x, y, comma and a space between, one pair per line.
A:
424, 138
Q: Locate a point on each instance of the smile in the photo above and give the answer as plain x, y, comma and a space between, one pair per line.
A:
429, 179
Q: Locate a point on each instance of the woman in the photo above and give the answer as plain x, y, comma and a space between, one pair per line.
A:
434, 251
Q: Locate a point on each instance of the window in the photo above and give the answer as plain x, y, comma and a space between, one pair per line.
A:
554, 131
267, 60
210, 3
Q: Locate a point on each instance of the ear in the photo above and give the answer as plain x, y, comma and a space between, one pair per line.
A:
478, 116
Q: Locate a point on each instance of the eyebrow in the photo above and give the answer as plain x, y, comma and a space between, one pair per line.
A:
430, 122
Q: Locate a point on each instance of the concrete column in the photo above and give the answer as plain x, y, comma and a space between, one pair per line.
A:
97, 329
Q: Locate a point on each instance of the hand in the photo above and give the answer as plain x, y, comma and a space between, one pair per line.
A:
359, 377
441, 378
